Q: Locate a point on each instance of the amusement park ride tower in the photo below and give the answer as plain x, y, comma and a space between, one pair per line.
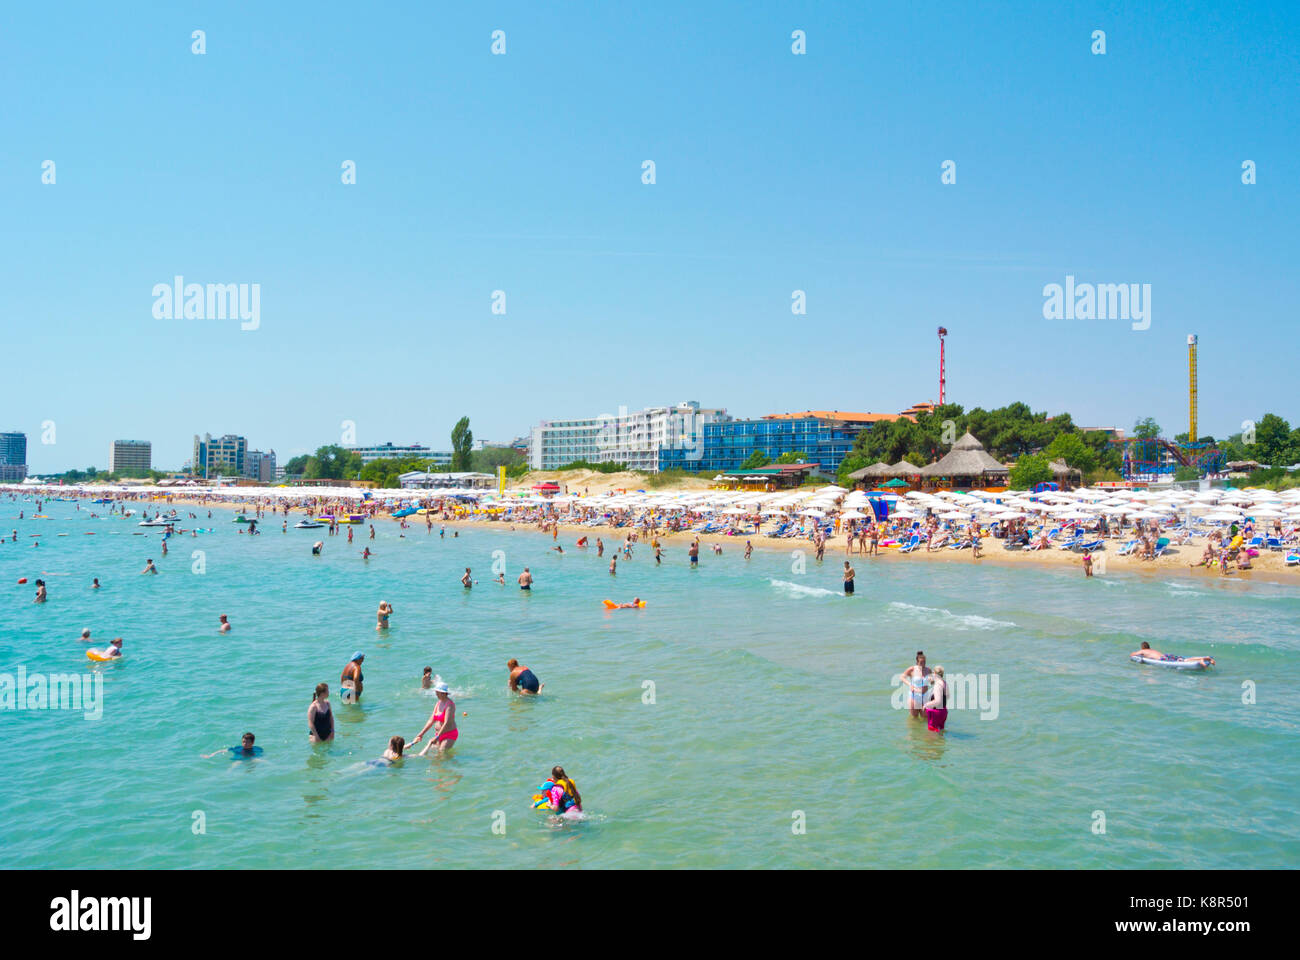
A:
1154, 458
943, 381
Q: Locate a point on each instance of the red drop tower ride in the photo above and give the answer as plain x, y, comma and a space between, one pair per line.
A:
943, 380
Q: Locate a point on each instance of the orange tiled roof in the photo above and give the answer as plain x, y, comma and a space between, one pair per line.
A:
834, 415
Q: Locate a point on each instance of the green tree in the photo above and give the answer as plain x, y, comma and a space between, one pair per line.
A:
1146, 429
332, 463
755, 460
849, 464
792, 457
1030, 469
1071, 448
296, 465
489, 458
1273, 442
462, 439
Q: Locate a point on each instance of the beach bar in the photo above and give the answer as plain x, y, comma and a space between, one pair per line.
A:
966, 465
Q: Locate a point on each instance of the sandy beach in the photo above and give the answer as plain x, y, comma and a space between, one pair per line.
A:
1176, 561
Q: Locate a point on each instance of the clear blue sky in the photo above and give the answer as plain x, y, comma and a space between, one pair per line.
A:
523, 173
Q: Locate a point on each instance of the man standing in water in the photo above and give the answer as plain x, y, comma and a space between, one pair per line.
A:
694, 552
849, 574
352, 679
525, 580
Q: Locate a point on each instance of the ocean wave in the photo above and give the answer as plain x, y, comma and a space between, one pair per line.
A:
969, 621
799, 590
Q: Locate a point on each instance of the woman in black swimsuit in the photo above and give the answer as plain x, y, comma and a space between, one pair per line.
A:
320, 718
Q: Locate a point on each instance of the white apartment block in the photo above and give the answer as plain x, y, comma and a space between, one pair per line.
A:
130, 455
631, 439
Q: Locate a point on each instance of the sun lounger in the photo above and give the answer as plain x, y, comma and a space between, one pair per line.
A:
910, 545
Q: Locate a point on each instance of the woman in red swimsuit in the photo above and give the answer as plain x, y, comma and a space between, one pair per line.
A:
443, 720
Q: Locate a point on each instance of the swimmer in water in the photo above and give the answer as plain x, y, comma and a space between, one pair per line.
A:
320, 718
246, 749
426, 681
382, 614
317, 547
149, 567
636, 602
395, 747
562, 794
225, 625
466, 580
85, 635
40, 592
917, 678
522, 680
114, 648
443, 720
352, 678
365, 555
94, 584
525, 580
749, 549
613, 566
501, 579
1150, 654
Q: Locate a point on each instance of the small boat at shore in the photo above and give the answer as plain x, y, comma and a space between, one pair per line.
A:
404, 512
160, 521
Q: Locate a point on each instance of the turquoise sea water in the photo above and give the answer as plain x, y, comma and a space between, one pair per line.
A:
772, 694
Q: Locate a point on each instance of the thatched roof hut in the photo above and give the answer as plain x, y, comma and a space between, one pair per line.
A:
967, 459
872, 472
